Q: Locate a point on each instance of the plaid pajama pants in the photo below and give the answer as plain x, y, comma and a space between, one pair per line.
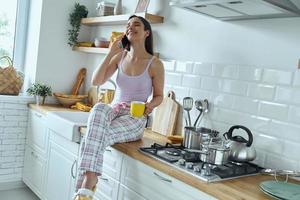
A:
106, 126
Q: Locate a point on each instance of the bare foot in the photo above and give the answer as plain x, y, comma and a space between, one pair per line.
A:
90, 180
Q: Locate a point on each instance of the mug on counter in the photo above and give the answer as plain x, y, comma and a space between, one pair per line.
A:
137, 108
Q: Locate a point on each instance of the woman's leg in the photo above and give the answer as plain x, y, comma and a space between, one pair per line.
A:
116, 128
92, 146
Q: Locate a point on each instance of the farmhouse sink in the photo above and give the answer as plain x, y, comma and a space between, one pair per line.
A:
67, 123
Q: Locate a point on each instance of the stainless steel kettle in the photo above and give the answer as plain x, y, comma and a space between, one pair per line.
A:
240, 148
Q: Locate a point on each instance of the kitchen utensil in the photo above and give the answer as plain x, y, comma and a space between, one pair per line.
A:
199, 106
281, 190
165, 116
205, 106
194, 137
240, 148
187, 106
79, 80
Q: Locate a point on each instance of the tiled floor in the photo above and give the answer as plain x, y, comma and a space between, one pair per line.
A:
18, 194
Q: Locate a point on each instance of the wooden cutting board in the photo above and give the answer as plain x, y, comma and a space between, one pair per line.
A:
79, 80
165, 116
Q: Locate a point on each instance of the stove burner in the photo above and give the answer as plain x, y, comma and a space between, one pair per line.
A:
173, 152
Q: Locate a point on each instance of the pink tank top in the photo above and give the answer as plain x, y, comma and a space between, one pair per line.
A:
133, 88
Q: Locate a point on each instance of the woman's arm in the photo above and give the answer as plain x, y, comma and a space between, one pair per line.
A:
158, 78
109, 64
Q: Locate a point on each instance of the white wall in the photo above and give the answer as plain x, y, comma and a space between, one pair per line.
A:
49, 59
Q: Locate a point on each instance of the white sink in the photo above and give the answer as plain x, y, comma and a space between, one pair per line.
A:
66, 123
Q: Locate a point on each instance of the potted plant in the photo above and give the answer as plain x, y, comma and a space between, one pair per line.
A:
40, 90
79, 12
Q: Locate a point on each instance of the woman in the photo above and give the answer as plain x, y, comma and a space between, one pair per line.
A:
140, 74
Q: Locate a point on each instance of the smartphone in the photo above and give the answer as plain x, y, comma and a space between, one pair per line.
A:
125, 42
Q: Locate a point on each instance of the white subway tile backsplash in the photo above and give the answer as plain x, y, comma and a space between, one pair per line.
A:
294, 114
277, 76
265, 100
273, 110
249, 73
173, 78
202, 68
223, 100
169, 65
286, 131
191, 81
288, 95
181, 92
212, 84
245, 104
200, 94
290, 150
235, 87
268, 143
185, 67
296, 81
280, 162
225, 71
260, 91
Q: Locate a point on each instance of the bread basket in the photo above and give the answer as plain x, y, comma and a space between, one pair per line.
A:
69, 100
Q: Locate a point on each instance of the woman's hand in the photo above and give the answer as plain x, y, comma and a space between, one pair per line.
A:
116, 46
148, 109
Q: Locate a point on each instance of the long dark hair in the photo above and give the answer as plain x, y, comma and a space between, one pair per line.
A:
149, 39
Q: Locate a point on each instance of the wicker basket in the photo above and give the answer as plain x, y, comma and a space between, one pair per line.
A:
11, 81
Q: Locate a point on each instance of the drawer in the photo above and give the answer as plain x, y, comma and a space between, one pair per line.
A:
37, 132
127, 194
112, 163
107, 188
154, 184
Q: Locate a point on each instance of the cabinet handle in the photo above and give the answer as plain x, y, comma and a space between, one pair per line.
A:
104, 179
162, 178
72, 169
38, 115
108, 150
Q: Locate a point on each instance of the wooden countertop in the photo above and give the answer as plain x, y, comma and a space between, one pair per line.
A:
246, 188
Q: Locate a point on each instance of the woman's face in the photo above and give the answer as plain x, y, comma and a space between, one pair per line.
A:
135, 30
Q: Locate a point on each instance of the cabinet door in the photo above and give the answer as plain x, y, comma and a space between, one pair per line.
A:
34, 171
107, 188
37, 133
112, 163
154, 184
61, 173
127, 194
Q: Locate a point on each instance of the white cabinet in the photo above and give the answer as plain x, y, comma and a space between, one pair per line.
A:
127, 194
37, 132
153, 184
108, 184
34, 171
61, 168
35, 153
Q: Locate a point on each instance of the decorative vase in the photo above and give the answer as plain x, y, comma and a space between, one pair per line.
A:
40, 100
118, 8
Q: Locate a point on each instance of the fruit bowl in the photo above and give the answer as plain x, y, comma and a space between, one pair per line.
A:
69, 100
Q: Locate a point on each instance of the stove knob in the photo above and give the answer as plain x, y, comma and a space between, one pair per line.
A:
189, 165
197, 168
181, 162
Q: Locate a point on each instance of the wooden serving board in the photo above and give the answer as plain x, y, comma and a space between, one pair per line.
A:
165, 116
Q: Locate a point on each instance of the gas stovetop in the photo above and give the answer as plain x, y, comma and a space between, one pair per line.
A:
189, 162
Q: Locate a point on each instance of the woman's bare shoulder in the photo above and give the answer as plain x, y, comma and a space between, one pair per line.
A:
157, 64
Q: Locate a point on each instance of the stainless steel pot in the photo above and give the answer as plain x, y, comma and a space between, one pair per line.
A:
215, 154
194, 137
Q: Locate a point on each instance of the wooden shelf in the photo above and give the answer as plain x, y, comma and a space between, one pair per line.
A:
119, 19
98, 50
91, 50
